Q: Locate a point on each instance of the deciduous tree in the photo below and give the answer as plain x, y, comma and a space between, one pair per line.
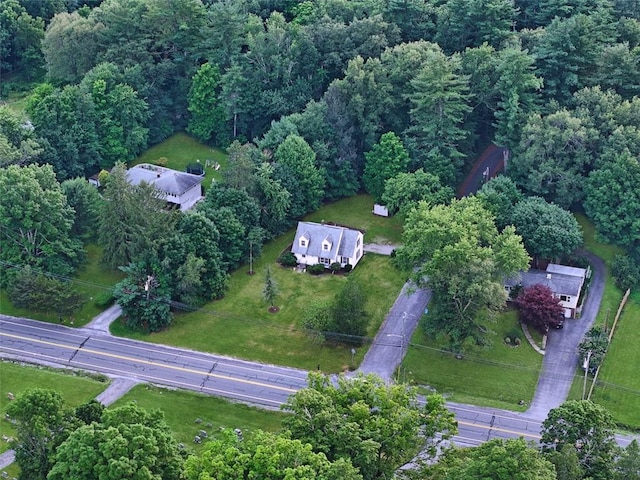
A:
36, 222
128, 443
385, 160
539, 308
266, 456
405, 190
456, 249
548, 231
378, 426
207, 114
589, 429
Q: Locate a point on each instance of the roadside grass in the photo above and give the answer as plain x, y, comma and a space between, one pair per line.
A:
188, 412
497, 376
16, 378
93, 280
240, 325
618, 385
180, 150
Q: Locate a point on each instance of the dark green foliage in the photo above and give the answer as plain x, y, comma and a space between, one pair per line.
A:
144, 297
404, 191
378, 426
265, 456
628, 463
548, 231
128, 443
288, 259
385, 160
104, 299
86, 203
626, 272
499, 195
35, 291
36, 222
595, 341
207, 114
335, 267
41, 424
20, 37
348, 267
586, 427
316, 269
89, 412
270, 289
350, 320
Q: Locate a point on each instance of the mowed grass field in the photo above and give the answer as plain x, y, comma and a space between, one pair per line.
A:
498, 376
93, 280
240, 324
180, 150
16, 378
188, 412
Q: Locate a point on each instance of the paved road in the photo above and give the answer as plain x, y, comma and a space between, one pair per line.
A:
561, 358
260, 384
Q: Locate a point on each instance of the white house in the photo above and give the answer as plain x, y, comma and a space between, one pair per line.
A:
318, 243
565, 282
179, 188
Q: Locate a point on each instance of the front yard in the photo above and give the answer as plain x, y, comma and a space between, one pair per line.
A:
240, 324
500, 376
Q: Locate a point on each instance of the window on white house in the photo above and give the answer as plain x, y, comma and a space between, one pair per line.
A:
326, 246
303, 242
565, 298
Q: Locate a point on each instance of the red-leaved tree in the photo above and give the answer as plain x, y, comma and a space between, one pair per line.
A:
539, 308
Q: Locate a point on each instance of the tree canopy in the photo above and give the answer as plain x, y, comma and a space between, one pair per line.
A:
457, 250
378, 427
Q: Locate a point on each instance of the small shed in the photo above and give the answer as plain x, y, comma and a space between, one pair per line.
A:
380, 210
95, 180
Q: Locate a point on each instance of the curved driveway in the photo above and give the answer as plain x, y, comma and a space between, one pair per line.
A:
561, 356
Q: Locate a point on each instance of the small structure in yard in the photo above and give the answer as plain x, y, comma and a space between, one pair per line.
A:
181, 189
195, 169
565, 282
95, 180
380, 210
317, 243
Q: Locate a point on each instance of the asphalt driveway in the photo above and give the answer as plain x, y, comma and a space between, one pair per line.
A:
561, 358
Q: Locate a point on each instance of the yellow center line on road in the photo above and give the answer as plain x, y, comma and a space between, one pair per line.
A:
498, 429
159, 380
149, 362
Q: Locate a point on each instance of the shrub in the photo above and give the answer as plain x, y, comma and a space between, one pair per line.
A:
625, 272
316, 269
288, 259
104, 299
348, 267
335, 267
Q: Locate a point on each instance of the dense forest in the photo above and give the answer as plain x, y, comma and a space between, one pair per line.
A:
315, 101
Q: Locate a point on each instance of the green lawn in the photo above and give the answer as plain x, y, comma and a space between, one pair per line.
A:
180, 150
240, 324
498, 376
618, 386
16, 378
93, 280
188, 412
17, 103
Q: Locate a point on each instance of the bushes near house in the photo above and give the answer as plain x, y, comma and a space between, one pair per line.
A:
317, 269
288, 259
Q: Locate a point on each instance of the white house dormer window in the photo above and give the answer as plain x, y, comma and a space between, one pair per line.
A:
304, 241
326, 244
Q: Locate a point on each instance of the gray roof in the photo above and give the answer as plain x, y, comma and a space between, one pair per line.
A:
343, 240
565, 270
559, 283
164, 179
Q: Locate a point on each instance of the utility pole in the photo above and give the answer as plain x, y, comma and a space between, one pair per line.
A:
147, 286
585, 365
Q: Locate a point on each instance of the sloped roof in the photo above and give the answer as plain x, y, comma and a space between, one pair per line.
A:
559, 283
565, 270
343, 240
164, 179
